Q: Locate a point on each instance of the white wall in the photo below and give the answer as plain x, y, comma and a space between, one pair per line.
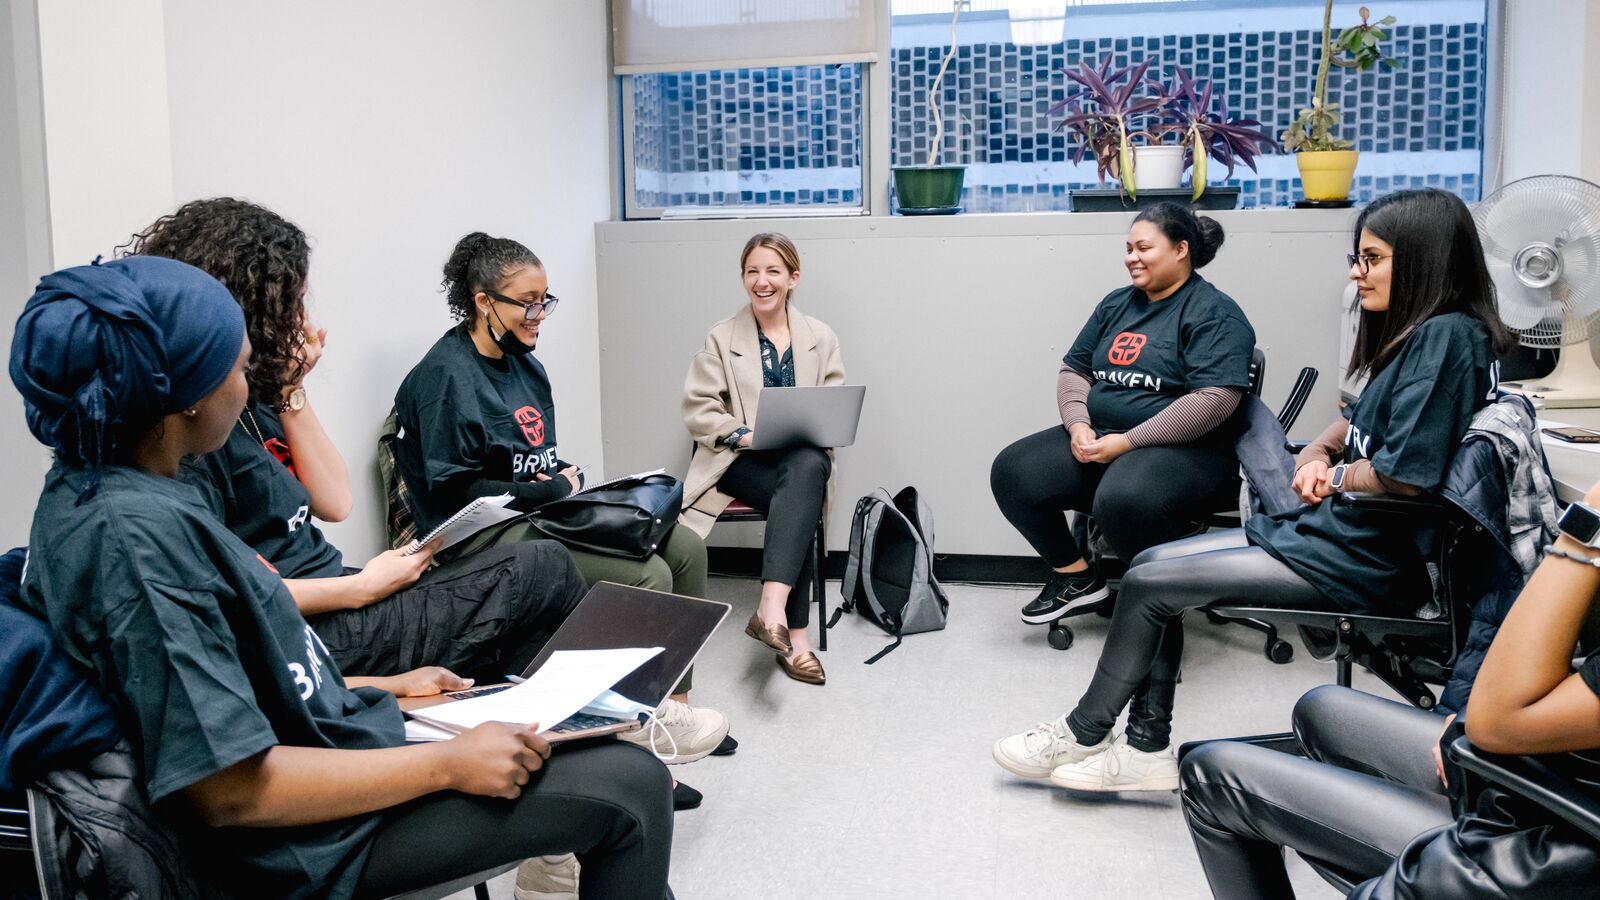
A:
24, 250
387, 130
1551, 100
105, 111
955, 324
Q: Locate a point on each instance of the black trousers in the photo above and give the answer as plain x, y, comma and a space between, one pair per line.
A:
789, 486
1143, 652
483, 615
1367, 788
1142, 498
608, 802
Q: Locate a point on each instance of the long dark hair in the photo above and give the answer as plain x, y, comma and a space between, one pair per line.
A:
262, 258
1437, 268
1179, 223
477, 263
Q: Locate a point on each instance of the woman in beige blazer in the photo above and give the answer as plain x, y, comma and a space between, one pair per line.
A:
769, 343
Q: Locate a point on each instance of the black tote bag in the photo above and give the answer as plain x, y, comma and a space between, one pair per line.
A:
629, 517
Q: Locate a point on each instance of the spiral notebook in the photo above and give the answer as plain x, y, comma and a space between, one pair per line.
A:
471, 519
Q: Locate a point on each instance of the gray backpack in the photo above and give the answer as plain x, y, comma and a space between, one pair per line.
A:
889, 576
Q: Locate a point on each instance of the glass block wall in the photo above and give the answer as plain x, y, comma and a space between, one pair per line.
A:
1418, 125
748, 137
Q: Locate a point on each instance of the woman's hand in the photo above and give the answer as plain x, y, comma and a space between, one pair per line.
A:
306, 357
570, 473
425, 682
495, 759
392, 570
1082, 436
1105, 449
748, 439
1438, 757
1309, 480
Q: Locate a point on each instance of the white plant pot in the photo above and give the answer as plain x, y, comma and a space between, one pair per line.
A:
1158, 167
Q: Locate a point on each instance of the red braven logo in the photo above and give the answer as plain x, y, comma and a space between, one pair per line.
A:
532, 422
281, 450
1125, 348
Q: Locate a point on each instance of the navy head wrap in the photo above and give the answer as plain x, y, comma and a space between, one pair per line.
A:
103, 352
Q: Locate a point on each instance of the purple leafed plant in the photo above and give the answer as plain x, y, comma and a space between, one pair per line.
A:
1100, 110
1228, 140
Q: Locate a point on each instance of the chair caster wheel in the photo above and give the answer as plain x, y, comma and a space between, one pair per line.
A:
1279, 651
1060, 636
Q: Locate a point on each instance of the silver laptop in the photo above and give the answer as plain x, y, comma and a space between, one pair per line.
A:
808, 416
612, 616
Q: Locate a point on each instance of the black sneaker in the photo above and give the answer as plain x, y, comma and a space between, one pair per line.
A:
685, 797
1063, 593
727, 747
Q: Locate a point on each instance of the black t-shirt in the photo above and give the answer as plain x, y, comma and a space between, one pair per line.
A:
202, 653
1142, 355
470, 425
249, 485
1408, 421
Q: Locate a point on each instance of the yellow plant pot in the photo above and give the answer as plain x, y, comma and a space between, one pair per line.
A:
1326, 174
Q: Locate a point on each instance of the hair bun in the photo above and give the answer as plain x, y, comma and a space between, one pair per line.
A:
1211, 238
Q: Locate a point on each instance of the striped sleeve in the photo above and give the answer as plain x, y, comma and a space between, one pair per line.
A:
1189, 417
1072, 396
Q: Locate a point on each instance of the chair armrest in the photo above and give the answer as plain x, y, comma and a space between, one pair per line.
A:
1420, 505
1535, 781
1294, 447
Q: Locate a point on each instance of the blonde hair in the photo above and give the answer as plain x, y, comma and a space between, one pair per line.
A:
777, 243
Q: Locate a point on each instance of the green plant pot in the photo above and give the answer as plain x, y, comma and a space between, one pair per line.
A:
925, 188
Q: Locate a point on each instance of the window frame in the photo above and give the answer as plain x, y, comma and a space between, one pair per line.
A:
876, 128
631, 209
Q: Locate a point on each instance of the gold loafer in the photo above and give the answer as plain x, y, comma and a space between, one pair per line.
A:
774, 636
806, 668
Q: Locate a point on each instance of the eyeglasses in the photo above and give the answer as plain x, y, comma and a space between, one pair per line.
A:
531, 309
1364, 261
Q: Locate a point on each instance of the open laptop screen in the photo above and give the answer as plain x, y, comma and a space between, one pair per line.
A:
614, 616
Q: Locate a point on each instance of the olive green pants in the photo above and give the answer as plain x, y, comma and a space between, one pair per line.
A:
677, 567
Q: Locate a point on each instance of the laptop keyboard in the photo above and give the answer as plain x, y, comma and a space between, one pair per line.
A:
480, 692
580, 721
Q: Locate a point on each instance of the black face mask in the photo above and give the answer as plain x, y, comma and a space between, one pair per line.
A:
506, 340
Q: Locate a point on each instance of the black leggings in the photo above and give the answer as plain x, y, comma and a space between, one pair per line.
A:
789, 486
608, 802
484, 615
1144, 497
1366, 790
1144, 648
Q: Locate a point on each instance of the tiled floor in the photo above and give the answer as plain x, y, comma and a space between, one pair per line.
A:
880, 784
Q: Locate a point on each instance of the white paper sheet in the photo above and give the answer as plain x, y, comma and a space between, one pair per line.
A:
471, 519
566, 683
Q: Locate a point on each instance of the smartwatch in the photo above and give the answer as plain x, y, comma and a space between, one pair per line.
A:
1337, 481
1582, 524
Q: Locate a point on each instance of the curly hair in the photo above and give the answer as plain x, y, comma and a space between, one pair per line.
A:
262, 258
478, 262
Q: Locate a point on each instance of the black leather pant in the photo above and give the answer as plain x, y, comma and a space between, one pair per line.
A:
1366, 790
1144, 649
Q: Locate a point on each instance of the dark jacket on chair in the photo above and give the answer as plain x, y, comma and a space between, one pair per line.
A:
93, 832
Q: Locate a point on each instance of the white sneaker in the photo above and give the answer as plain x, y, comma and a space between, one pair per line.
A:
1038, 751
1120, 768
681, 733
547, 878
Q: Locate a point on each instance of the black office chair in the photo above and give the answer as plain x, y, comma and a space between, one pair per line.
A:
1276, 649
1407, 653
1533, 779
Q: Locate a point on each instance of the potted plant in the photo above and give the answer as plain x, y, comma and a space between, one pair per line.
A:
1327, 163
1103, 113
1209, 135
1111, 119
932, 188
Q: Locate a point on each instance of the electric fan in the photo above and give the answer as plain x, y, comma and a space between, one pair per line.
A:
1541, 239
